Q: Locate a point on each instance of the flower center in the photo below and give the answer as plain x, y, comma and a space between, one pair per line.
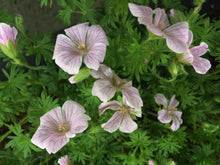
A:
123, 110
63, 128
171, 110
161, 25
81, 46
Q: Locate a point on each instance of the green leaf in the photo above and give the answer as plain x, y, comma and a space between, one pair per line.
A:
82, 75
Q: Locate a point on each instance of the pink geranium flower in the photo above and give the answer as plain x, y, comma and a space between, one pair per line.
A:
7, 33
60, 124
176, 35
169, 113
64, 160
109, 83
81, 42
192, 56
121, 118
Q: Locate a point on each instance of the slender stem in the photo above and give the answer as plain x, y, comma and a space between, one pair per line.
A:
11, 130
18, 62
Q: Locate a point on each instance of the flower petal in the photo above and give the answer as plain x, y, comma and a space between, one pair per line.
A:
143, 13
155, 29
163, 116
73, 114
6, 33
103, 89
176, 120
131, 95
64, 160
160, 18
104, 72
96, 35
188, 57
66, 55
177, 37
71, 79
114, 105
78, 33
201, 65
127, 125
199, 50
190, 38
173, 102
161, 99
113, 123
95, 56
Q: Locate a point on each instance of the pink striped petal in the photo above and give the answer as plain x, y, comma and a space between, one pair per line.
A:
95, 56
177, 37
113, 105
103, 72
176, 120
199, 50
127, 125
96, 35
7, 33
155, 30
161, 99
66, 55
201, 65
78, 33
172, 12
103, 89
160, 19
190, 38
113, 123
131, 95
163, 116
173, 102
188, 57
64, 160
143, 13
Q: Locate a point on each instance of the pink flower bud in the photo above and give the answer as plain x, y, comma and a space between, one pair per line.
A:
7, 33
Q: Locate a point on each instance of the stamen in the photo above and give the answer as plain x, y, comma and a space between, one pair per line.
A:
81, 46
161, 25
123, 110
63, 128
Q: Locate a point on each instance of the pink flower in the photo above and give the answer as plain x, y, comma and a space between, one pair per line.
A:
57, 126
150, 162
201, 65
169, 113
121, 118
176, 35
7, 33
81, 43
109, 83
64, 160
172, 12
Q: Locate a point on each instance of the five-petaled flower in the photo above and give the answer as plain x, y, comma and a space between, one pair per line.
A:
7, 33
121, 118
57, 126
157, 22
109, 83
192, 56
81, 43
64, 160
169, 112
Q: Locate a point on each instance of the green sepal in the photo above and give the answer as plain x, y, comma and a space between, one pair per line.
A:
82, 75
9, 50
173, 69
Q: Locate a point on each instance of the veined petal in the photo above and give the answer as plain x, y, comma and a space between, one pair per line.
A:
78, 32
66, 55
201, 65
161, 99
113, 105
188, 57
103, 89
64, 160
143, 13
104, 72
95, 56
127, 125
190, 38
7, 33
155, 30
176, 120
163, 116
177, 37
113, 123
199, 50
160, 18
173, 102
131, 95
96, 35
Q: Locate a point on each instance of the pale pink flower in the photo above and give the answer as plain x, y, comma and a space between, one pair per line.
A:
7, 33
172, 12
121, 118
176, 35
169, 113
109, 83
71, 79
192, 56
150, 162
64, 160
81, 42
60, 124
